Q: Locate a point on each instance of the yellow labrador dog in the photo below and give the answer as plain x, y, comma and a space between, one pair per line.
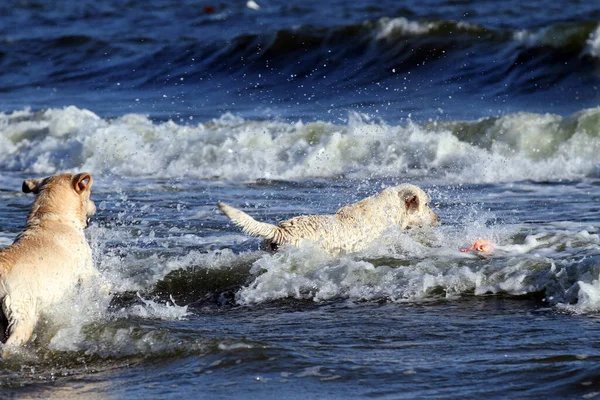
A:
351, 228
50, 257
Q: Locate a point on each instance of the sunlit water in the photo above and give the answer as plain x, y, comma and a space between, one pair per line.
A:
198, 307
302, 109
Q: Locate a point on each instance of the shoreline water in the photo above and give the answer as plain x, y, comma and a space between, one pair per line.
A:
297, 109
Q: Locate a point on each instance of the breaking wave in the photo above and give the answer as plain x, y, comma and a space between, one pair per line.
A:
517, 146
404, 267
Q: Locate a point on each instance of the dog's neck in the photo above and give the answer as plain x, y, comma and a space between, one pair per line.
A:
44, 219
46, 210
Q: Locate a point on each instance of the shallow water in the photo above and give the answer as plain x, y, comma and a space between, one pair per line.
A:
497, 347
198, 308
300, 109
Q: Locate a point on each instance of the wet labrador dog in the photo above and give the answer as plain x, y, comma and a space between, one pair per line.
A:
351, 228
50, 257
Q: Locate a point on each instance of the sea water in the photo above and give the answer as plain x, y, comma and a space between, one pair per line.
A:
296, 109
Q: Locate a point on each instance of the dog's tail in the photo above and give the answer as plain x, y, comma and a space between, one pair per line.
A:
248, 224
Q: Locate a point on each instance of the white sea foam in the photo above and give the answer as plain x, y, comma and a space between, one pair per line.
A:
534, 38
419, 271
515, 147
389, 28
400, 266
69, 317
133, 272
151, 309
556, 37
72, 318
593, 43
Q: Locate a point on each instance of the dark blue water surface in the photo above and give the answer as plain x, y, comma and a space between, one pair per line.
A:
311, 59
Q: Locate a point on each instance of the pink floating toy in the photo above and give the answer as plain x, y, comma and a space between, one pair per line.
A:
483, 246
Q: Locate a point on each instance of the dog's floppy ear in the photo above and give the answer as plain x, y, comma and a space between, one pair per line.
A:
411, 200
31, 186
82, 182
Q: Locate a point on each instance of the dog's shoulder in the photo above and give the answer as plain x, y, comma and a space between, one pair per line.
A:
360, 208
350, 212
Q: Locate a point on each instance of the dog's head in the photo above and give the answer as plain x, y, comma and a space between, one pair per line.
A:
415, 204
64, 196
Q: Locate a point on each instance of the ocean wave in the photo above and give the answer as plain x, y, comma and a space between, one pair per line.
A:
403, 267
445, 34
545, 263
284, 41
268, 60
381, 46
407, 270
575, 36
151, 309
517, 146
396, 28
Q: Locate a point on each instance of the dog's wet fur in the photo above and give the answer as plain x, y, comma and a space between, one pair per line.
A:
49, 257
351, 228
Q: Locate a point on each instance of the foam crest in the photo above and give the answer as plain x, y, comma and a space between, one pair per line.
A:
577, 36
75, 318
302, 275
533, 38
419, 270
130, 271
514, 147
150, 309
593, 43
388, 28
401, 266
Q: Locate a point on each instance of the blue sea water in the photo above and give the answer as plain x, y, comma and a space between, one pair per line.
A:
301, 108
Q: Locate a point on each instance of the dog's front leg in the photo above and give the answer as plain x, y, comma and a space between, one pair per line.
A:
21, 312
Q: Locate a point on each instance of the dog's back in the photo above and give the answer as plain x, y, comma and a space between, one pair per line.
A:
45, 261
